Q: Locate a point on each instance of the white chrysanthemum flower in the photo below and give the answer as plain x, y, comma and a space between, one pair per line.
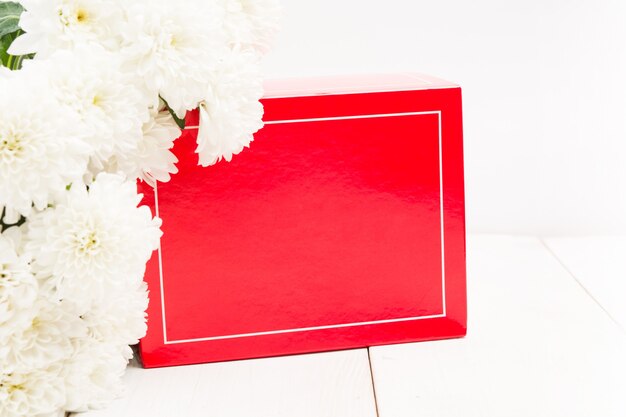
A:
40, 152
18, 289
119, 316
251, 23
110, 108
172, 47
230, 112
36, 392
152, 160
94, 241
53, 25
93, 375
47, 339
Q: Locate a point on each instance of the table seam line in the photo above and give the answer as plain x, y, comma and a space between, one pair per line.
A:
371, 369
573, 276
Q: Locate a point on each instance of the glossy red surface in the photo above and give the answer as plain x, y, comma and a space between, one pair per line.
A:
325, 234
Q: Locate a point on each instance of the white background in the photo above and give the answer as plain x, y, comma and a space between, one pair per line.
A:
544, 86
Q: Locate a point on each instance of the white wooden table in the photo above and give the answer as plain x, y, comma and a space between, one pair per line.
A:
546, 337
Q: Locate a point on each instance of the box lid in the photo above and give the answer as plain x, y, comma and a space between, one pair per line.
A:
352, 84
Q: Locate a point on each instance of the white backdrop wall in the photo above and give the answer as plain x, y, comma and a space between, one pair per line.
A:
544, 86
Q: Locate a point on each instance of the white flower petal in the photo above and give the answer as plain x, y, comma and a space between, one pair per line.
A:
231, 112
152, 160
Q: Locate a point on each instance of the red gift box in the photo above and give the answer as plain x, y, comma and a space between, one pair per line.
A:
342, 226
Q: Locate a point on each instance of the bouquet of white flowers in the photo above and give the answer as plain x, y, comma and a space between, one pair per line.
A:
93, 94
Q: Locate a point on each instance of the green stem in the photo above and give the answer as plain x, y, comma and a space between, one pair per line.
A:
18, 62
10, 62
180, 122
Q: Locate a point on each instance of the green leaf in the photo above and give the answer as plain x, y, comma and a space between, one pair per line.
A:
5, 42
10, 13
180, 122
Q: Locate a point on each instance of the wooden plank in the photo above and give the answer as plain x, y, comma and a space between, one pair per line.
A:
599, 264
537, 345
327, 384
